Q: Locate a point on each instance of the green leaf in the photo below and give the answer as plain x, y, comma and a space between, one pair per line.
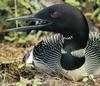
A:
29, 65
98, 18
21, 65
73, 2
10, 39
20, 84
37, 82
96, 12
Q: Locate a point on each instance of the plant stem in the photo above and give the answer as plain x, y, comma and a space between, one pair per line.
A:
15, 2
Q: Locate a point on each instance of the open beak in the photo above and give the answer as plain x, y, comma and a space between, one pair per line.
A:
39, 24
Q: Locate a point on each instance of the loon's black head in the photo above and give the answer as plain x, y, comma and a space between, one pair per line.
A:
59, 18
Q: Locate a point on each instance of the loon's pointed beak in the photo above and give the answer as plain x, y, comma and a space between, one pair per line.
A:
39, 24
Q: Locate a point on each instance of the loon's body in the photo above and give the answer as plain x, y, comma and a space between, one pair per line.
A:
48, 54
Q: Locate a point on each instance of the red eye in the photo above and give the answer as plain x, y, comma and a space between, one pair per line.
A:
56, 14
